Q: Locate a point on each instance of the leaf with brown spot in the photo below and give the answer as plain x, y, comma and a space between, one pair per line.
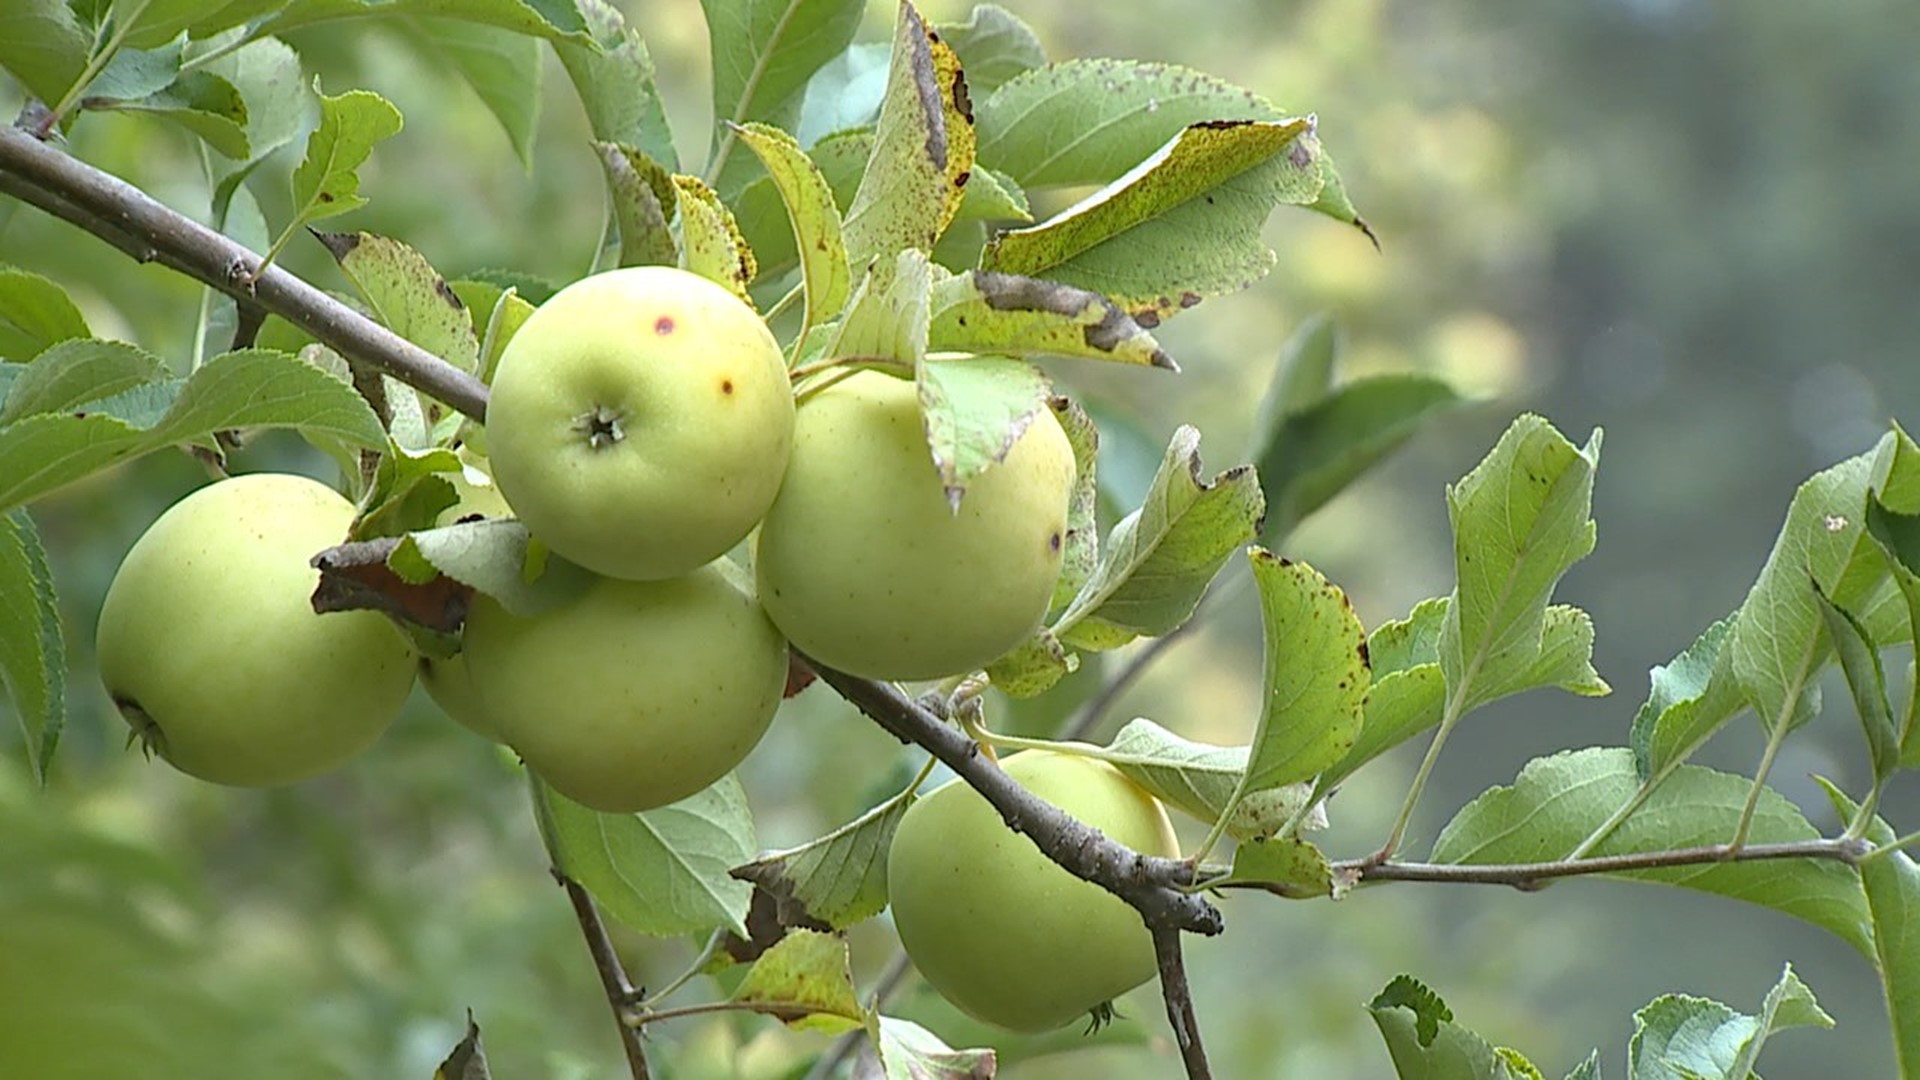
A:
1316, 677
815, 219
355, 576
713, 245
407, 295
644, 200
983, 311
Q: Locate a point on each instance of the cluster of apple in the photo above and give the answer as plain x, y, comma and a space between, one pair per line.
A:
642, 425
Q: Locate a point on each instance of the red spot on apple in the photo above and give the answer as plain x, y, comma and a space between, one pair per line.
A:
663, 325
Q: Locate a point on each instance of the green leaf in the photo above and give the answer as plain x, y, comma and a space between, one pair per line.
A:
468, 1059
280, 107
805, 980
993, 196
200, 101
1181, 226
662, 872
908, 1051
1588, 1069
497, 557
711, 243
615, 84
1867, 681
993, 46
981, 311
1303, 376
1892, 884
1081, 552
325, 183
841, 878
764, 51
1558, 801
886, 323
556, 20
1316, 673
136, 73
1312, 454
44, 46
1898, 537
1400, 705
77, 373
1678, 1036
844, 94
1033, 667
763, 217
502, 67
507, 310
411, 488
1117, 111
1520, 520
1201, 779
245, 388
33, 662
974, 411
816, 220
34, 313
1292, 868
922, 149
152, 23
1159, 559
407, 295
1424, 1041
1690, 698
644, 201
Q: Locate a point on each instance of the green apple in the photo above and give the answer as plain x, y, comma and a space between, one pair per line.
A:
640, 422
209, 644
866, 568
1000, 930
446, 681
633, 694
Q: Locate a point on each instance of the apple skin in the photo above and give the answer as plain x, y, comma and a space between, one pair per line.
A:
1000, 930
634, 694
640, 422
866, 568
446, 681
209, 644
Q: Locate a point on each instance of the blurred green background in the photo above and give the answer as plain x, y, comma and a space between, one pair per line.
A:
1691, 223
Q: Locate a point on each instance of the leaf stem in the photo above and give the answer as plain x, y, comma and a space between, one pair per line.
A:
1775, 739
96, 64
714, 941
1890, 847
636, 1021
1448, 718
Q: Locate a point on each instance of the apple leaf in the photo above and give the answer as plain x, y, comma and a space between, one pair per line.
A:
507, 310
1866, 681
503, 68
1423, 1040
43, 44
993, 196
245, 388
1316, 673
1158, 561
1291, 868
1400, 705
841, 157
841, 878
468, 1059
411, 490
993, 46
844, 94
326, 184
35, 314
498, 557
1119, 111
908, 1051
1302, 376
981, 311
1181, 226
662, 872
1200, 779
77, 373
407, 296
33, 665
764, 52
200, 101
1082, 551
555, 20
1892, 883
815, 218
1034, 666
1898, 536
1681, 1035
922, 149
886, 322
1690, 697
615, 84
1558, 801
1520, 519
711, 243
806, 980
645, 200
974, 411
1588, 1069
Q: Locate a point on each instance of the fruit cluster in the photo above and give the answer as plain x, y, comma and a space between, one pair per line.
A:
643, 424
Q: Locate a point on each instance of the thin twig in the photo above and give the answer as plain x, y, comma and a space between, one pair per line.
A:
1179, 998
1534, 875
134, 222
613, 977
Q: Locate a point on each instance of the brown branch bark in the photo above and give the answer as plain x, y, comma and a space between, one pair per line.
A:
1179, 1000
613, 977
1535, 875
134, 222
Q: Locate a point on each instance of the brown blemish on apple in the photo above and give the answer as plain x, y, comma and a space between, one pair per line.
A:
1054, 541
663, 325
726, 386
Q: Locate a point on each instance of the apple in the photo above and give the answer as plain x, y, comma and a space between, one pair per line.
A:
446, 681
209, 644
1000, 930
633, 694
866, 568
640, 422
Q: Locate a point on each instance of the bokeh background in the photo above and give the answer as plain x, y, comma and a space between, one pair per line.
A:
1691, 223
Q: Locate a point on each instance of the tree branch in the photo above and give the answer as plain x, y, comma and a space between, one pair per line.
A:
1179, 999
1154, 886
613, 977
1536, 875
134, 222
